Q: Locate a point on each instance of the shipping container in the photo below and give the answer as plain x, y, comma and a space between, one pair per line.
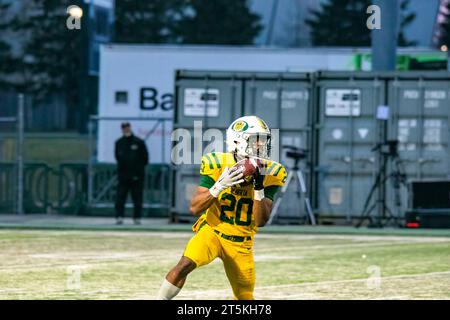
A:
347, 122
281, 99
345, 131
360, 115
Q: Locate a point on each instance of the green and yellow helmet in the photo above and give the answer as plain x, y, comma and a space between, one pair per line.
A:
249, 136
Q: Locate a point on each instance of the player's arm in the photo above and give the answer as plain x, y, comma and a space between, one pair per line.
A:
261, 211
201, 201
204, 197
262, 200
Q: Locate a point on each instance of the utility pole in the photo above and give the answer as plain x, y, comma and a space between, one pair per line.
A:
273, 15
384, 58
384, 40
19, 152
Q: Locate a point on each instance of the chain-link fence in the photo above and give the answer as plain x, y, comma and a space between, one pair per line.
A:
11, 159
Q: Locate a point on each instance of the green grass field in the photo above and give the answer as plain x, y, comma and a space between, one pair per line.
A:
37, 264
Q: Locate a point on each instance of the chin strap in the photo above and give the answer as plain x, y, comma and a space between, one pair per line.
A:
238, 157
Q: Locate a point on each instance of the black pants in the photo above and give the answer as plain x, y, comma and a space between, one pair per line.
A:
136, 187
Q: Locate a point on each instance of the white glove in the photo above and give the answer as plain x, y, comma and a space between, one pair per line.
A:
226, 180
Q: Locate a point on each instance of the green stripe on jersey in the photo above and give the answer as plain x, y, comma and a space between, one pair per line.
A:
217, 160
211, 166
206, 181
279, 168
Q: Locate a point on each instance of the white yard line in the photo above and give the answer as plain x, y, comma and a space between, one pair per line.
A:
87, 262
380, 242
319, 283
101, 233
350, 237
332, 246
96, 258
418, 275
188, 234
227, 293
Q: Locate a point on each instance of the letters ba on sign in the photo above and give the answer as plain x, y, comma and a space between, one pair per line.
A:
343, 102
201, 102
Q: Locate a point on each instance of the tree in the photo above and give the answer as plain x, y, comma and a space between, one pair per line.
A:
343, 23
51, 59
218, 22
296, 32
444, 28
406, 18
336, 24
138, 21
185, 21
7, 61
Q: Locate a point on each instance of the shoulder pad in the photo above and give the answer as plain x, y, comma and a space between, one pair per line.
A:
211, 165
275, 174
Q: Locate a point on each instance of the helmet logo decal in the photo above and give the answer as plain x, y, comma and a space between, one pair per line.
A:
262, 124
240, 126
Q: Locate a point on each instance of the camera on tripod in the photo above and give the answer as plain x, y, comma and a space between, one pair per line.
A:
393, 172
296, 153
294, 173
388, 148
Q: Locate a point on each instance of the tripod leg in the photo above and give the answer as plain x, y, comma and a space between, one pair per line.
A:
280, 196
366, 210
368, 216
372, 190
391, 216
307, 202
274, 210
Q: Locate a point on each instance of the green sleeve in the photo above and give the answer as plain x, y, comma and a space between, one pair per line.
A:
206, 181
270, 191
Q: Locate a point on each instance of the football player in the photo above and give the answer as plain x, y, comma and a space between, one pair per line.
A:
230, 207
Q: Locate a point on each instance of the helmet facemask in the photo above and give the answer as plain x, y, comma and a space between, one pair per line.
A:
258, 145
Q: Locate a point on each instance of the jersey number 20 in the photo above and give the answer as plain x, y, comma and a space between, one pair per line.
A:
238, 207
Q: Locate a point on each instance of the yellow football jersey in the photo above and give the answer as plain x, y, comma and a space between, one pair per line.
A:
232, 214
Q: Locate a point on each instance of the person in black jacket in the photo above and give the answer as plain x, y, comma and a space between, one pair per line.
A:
132, 157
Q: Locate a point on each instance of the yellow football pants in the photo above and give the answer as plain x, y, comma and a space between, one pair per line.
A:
237, 257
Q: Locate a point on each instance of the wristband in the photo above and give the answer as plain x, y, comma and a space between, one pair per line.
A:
258, 195
214, 191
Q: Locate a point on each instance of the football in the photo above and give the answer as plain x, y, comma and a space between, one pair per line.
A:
249, 165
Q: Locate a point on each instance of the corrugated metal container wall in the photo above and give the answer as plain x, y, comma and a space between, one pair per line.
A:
282, 100
220, 107
420, 121
346, 132
419, 117
335, 117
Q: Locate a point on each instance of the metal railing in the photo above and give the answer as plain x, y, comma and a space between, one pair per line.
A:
65, 189
157, 186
